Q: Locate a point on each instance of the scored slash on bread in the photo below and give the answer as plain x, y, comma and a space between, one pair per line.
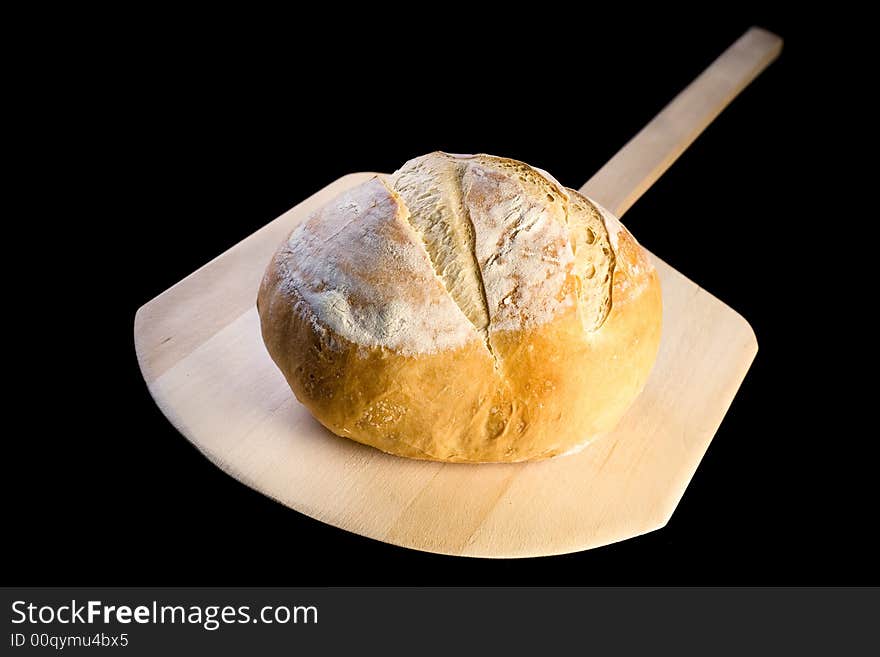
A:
468, 308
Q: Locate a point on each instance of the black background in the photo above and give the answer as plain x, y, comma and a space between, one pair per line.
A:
163, 153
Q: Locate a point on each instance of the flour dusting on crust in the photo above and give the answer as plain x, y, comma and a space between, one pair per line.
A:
368, 271
629, 271
522, 249
363, 273
612, 224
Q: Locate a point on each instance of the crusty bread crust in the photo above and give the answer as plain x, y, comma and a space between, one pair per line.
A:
501, 384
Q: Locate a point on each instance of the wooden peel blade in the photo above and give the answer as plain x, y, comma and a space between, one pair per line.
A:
636, 166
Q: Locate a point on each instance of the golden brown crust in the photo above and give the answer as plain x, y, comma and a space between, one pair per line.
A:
541, 391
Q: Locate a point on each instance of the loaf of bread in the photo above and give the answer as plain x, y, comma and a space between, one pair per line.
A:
467, 308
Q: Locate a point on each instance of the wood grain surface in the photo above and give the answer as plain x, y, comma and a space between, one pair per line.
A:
201, 354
